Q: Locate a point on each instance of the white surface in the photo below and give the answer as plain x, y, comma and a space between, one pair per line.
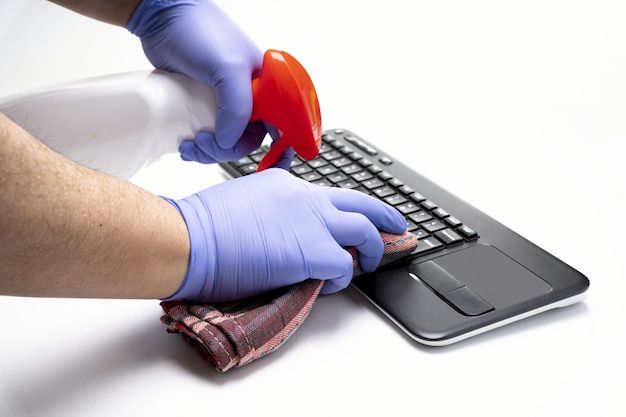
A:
528, 98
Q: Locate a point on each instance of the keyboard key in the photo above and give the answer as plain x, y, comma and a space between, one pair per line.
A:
301, 170
349, 184
317, 163
428, 245
405, 189
311, 176
420, 217
374, 169
372, 183
327, 170
428, 205
385, 191
440, 213
453, 221
326, 147
359, 144
329, 156
369, 150
337, 177
361, 176
432, 226
295, 162
341, 162
419, 233
394, 182
249, 169
336, 144
407, 208
355, 156
395, 199
346, 150
242, 161
417, 197
449, 237
351, 169
412, 227
468, 232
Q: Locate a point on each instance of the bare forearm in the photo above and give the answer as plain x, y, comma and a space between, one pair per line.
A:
116, 12
68, 231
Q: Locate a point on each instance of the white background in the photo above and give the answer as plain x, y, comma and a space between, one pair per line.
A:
522, 106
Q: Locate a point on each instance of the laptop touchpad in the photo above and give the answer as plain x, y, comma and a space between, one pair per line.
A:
480, 270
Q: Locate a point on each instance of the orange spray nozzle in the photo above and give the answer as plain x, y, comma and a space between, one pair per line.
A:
284, 96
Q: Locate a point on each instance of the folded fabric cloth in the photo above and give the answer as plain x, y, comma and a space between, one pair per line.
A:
236, 333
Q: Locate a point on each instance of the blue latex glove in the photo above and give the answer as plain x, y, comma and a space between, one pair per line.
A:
270, 229
196, 38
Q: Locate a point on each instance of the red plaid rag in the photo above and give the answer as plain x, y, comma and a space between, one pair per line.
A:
234, 334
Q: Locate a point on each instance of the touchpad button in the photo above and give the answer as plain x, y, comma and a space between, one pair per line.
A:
450, 288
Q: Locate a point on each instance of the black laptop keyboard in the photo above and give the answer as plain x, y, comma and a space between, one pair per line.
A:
346, 161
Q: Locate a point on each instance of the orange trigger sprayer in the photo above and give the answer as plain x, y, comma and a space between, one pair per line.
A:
284, 96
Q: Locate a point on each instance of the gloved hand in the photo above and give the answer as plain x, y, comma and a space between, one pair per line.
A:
196, 38
270, 229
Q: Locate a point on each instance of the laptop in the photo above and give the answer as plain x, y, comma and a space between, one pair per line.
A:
468, 275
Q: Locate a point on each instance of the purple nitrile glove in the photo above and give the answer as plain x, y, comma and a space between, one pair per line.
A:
196, 38
270, 229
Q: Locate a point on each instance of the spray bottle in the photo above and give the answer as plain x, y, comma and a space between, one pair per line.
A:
120, 123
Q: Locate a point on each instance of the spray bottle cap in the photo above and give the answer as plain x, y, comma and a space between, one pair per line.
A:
284, 96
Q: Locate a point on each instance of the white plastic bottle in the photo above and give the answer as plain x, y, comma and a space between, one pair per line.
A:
116, 123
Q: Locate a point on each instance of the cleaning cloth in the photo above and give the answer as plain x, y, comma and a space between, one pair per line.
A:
236, 333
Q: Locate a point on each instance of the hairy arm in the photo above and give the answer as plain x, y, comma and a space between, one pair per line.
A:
116, 12
69, 231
